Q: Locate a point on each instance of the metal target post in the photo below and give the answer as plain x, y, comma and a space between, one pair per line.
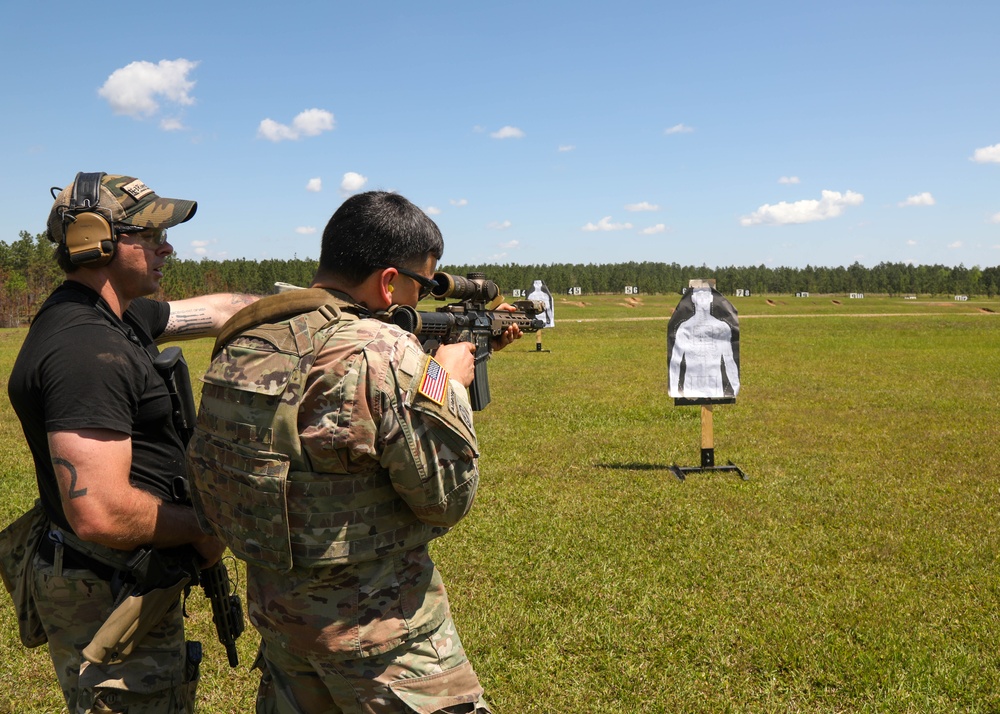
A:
707, 448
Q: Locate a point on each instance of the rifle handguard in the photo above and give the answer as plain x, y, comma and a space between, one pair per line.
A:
227, 610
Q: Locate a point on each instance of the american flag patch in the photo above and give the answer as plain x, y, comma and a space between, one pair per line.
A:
435, 382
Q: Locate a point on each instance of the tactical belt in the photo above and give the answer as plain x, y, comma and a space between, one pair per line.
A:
75, 560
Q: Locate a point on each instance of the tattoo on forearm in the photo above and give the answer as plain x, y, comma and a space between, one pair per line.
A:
242, 299
74, 492
183, 322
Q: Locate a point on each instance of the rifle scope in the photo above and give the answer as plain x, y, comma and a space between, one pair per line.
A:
425, 325
474, 288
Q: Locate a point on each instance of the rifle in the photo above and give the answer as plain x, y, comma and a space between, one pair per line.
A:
471, 319
227, 610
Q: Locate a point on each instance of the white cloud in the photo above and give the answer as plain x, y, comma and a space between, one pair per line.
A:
510, 245
315, 185
920, 199
789, 179
956, 244
432, 211
171, 124
643, 206
508, 132
605, 224
459, 202
995, 218
987, 155
830, 205
566, 147
311, 122
653, 230
678, 129
273, 131
911, 242
499, 225
353, 182
199, 243
134, 89
305, 230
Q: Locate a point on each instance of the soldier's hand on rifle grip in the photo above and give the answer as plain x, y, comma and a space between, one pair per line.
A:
458, 359
510, 334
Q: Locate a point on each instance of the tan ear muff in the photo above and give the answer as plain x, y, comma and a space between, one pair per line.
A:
89, 240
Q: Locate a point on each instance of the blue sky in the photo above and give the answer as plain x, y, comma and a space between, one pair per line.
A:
718, 133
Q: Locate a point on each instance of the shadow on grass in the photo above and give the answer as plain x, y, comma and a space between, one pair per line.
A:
635, 467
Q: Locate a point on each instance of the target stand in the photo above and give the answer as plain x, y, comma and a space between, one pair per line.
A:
538, 343
707, 441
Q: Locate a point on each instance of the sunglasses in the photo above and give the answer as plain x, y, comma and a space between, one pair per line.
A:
153, 237
426, 284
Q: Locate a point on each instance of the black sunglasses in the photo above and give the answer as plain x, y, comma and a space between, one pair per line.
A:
426, 284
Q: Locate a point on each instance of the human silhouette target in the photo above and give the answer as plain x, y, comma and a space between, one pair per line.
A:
541, 293
703, 348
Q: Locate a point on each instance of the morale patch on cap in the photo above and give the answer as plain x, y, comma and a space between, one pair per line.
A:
434, 383
137, 189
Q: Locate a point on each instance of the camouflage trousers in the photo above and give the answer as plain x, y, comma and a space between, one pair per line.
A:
158, 677
427, 674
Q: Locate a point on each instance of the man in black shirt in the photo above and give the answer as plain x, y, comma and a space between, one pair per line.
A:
98, 418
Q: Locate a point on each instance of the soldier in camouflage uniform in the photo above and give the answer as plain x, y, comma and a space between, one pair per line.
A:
98, 419
330, 450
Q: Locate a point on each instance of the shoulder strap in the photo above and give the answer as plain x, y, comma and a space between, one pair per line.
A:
275, 308
64, 294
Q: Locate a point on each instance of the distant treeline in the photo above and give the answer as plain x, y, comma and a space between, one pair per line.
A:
28, 273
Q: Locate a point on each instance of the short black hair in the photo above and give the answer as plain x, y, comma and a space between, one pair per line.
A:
377, 229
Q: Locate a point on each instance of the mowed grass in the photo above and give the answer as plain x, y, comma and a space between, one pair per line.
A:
855, 571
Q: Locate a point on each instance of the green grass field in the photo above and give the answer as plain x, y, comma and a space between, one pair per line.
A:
855, 571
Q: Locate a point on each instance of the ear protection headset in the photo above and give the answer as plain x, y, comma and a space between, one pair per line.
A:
90, 239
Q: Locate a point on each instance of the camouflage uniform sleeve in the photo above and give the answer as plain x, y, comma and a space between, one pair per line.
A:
428, 439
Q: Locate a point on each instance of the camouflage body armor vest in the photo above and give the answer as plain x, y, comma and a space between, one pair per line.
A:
251, 482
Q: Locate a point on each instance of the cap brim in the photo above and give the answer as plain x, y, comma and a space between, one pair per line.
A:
162, 212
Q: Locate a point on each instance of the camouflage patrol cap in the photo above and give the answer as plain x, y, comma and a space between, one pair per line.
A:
124, 199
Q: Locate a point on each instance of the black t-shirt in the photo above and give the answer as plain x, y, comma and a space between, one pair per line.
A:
80, 367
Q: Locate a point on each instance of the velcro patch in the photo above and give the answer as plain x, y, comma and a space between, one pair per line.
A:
413, 359
137, 189
434, 383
